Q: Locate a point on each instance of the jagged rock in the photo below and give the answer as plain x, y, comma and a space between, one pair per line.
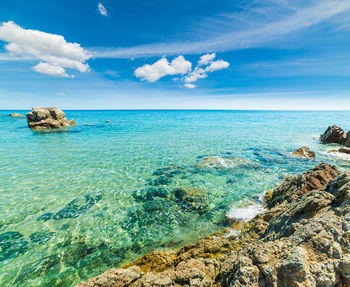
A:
304, 152
47, 118
15, 115
333, 134
301, 240
344, 150
347, 139
294, 186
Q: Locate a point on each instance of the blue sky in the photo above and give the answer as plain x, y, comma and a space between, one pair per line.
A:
84, 54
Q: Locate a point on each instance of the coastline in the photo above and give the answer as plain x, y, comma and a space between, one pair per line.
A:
301, 239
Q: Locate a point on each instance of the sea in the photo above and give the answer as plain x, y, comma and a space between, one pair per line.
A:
80, 200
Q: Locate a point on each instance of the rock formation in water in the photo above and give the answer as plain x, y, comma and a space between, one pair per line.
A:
47, 118
304, 152
15, 115
335, 134
302, 239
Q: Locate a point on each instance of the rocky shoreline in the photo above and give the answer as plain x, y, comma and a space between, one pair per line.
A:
301, 239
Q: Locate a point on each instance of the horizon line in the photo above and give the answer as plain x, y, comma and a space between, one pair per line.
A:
263, 110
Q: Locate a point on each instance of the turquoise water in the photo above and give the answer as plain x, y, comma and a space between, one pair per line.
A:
81, 200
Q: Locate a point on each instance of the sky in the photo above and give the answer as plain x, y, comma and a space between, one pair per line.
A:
161, 54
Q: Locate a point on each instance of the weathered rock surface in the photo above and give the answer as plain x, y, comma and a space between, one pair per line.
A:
47, 118
333, 134
304, 152
15, 115
302, 239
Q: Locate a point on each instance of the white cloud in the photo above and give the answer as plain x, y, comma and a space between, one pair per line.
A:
196, 74
258, 22
190, 86
51, 70
201, 73
217, 65
206, 59
180, 66
53, 51
102, 9
162, 67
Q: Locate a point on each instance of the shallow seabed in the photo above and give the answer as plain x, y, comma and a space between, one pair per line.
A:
78, 201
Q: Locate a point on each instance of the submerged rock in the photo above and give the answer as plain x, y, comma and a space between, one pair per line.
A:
47, 118
191, 199
150, 193
15, 115
41, 237
74, 208
221, 162
12, 244
304, 152
161, 180
302, 239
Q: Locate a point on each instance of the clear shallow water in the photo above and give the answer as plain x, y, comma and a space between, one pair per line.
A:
77, 202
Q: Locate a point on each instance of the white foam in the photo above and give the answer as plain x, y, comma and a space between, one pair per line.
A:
339, 155
245, 213
232, 232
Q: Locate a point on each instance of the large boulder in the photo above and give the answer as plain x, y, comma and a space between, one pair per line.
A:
333, 134
47, 118
304, 152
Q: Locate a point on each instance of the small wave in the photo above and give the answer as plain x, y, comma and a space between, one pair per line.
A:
246, 212
338, 155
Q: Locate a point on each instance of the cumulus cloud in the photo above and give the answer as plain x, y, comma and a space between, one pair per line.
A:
206, 59
180, 66
201, 73
102, 9
51, 70
161, 68
53, 51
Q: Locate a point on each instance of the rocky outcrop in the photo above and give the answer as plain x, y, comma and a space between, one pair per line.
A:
304, 152
335, 134
302, 239
47, 118
15, 115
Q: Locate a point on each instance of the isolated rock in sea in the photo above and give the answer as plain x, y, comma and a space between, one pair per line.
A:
302, 239
333, 134
15, 115
304, 152
47, 118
